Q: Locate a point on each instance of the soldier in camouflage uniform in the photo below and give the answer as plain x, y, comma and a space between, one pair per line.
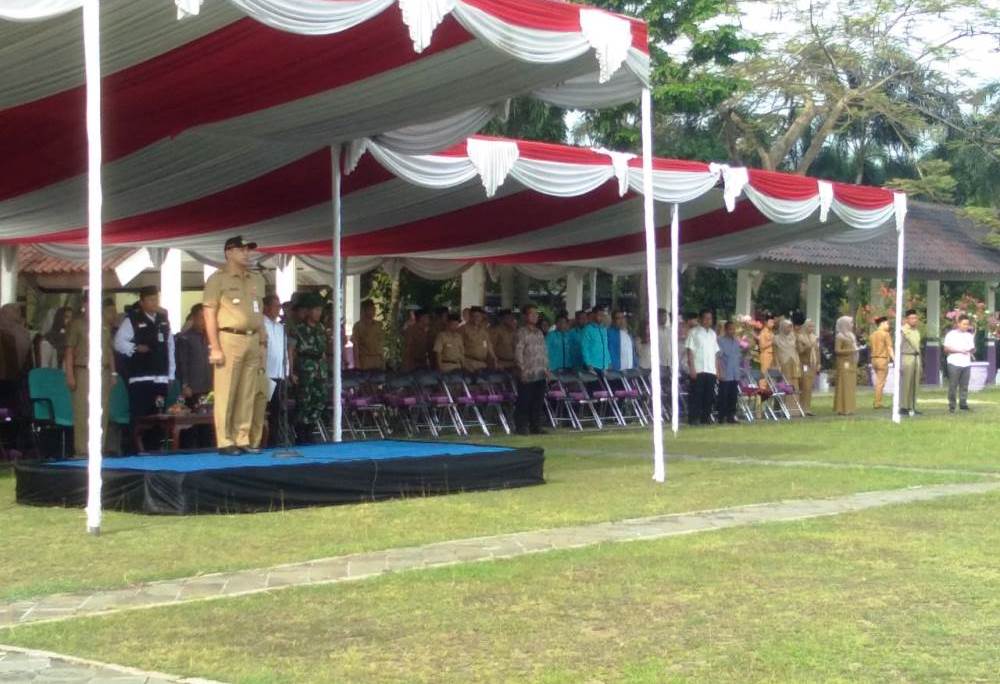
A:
311, 368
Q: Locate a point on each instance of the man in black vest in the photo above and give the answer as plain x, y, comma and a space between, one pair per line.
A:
144, 338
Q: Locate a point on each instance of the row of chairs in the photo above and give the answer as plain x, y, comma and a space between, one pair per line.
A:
435, 403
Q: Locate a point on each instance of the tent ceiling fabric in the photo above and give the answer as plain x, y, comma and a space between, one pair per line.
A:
246, 87
434, 214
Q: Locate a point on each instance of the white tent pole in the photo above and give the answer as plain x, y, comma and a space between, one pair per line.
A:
675, 319
92, 70
338, 297
898, 342
659, 466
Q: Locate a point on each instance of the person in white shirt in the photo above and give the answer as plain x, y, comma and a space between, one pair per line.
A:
276, 371
702, 346
960, 346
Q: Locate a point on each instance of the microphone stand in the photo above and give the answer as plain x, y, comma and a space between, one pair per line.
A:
285, 439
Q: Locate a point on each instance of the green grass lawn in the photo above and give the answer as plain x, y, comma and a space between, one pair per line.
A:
592, 477
905, 593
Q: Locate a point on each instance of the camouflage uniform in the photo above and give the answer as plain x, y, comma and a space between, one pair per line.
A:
312, 370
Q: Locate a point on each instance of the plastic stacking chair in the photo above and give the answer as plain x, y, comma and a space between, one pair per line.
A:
578, 400
52, 408
789, 392
625, 397
409, 408
456, 385
441, 406
764, 392
364, 412
779, 391
488, 389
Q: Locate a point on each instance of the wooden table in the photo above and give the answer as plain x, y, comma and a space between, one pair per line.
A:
173, 424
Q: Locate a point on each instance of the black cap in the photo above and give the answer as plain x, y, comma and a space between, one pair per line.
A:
237, 241
148, 291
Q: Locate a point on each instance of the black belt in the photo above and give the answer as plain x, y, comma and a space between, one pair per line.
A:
911, 353
233, 331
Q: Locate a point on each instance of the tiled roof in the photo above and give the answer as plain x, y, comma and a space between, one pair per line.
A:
33, 261
938, 240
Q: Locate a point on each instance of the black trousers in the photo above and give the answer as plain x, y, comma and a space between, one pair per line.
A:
142, 402
726, 404
530, 402
275, 436
702, 399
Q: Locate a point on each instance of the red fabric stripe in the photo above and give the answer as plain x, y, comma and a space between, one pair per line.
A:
712, 224
552, 15
505, 217
784, 186
862, 197
302, 184
241, 68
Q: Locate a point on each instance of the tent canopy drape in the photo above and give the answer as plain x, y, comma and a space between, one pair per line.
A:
502, 201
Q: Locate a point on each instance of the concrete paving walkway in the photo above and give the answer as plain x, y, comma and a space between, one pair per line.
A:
370, 564
26, 665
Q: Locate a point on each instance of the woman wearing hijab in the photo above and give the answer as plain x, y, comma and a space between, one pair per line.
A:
846, 354
786, 354
765, 343
807, 342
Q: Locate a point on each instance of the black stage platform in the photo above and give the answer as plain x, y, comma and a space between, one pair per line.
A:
323, 474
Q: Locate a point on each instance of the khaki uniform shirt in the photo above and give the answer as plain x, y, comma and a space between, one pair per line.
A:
416, 348
910, 345
236, 298
503, 346
478, 348
450, 350
369, 345
77, 339
880, 344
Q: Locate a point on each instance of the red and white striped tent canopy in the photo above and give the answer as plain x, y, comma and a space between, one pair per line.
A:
500, 201
198, 104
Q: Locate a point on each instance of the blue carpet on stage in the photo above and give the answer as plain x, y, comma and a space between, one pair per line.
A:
309, 455
321, 474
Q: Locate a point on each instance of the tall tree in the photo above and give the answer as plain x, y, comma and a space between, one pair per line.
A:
865, 69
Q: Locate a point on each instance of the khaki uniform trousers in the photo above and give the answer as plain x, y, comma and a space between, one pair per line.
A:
81, 407
881, 370
235, 388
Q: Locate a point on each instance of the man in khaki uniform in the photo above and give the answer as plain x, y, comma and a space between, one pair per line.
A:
880, 348
236, 336
911, 368
503, 340
369, 340
449, 349
476, 340
417, 343
78, 378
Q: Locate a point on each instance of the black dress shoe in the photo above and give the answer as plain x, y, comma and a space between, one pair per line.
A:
965, 408
917, 413
230, 451
251, 450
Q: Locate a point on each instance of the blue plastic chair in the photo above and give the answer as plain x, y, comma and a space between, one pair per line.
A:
52, 408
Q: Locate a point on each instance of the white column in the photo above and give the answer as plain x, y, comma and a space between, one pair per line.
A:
574, 292
506, 287
593, 288
877, 301
933, 310
814, 298
286, 280
338, 294
898, 332
473, 286
991, 297
352, 301
8, 274
95, 271
170, 288
744, 292
649, 231
664, 291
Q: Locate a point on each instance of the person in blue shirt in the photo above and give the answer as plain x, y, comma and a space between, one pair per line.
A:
573, 340
558, 343
730, 366
621, 346
594, 342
